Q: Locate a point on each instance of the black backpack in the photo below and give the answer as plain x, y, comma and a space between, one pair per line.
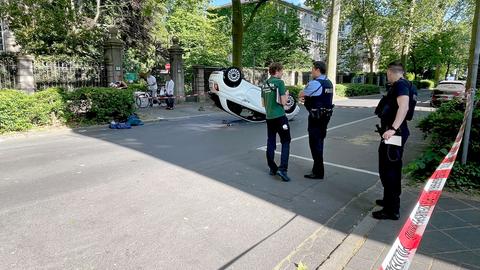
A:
412, 101
383, 107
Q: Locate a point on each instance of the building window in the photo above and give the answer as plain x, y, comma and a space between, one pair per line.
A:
319, 37
2, 37
315, 19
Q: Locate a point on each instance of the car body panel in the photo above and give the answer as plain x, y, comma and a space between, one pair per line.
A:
246, 95
448, 90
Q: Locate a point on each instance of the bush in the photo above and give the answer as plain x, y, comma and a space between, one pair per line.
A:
100, 105
410, 76
137, 87
15, 111
49, 106
340, 89
426, 84
465, 177
20, 111
355, 89
295, 90
441, 128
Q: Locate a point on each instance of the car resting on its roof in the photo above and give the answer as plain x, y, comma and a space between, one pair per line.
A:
238, 97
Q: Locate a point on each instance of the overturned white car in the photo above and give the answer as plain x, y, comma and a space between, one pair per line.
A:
238, 97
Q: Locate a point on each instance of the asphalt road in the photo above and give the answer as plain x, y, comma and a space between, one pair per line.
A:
181, 194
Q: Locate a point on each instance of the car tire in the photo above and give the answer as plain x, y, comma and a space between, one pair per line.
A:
291, 104
232, 76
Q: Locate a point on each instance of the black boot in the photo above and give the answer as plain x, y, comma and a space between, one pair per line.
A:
384, 214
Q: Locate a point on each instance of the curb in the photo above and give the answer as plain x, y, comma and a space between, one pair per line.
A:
351, 245
63, 129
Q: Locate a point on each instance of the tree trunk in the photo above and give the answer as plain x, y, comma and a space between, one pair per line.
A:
473, 60
237, 33
333, 41
408, 38
438, 74
370, 76
414, 63
448, 70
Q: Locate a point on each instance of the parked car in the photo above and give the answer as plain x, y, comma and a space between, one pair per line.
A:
446, 91
238, 97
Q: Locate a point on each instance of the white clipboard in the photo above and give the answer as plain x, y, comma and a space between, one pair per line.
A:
394, 140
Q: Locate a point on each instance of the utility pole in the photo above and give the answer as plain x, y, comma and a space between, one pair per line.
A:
472, 77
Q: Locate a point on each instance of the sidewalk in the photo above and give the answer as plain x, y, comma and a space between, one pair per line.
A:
451, 241
184, 110
149, 114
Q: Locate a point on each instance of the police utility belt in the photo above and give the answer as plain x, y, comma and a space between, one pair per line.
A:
318, 113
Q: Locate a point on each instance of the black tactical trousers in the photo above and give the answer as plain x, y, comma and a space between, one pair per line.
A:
317, 131
390, 170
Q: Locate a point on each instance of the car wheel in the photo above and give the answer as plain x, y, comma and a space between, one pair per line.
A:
232, 76
291, 104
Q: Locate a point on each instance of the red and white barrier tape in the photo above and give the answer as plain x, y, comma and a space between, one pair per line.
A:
174, 97
193, 95
402, 251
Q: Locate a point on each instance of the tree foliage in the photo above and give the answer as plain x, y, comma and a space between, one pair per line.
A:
55, 27
429, 32
79, 28
198, 32
447, 48
273, 35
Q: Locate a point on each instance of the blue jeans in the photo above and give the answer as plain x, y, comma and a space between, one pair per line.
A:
274, 127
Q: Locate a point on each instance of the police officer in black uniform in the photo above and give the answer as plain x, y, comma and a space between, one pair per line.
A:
392, 110
318, 100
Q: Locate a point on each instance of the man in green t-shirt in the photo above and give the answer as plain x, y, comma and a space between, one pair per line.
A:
274, 98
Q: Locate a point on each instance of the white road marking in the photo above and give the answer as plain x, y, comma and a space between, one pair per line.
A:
335, 165
329, 129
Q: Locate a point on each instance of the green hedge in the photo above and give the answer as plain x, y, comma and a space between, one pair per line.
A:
20, 111
49, 107
356, 89
100, 105
138, 87
441, 128
424, 84
345, 90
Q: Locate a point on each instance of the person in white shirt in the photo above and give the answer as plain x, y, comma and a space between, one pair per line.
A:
169, 86
152, 85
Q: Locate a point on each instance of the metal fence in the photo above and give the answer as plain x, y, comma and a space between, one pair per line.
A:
69, 74
8, 72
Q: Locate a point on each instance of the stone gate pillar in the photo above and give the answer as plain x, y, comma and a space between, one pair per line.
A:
24, 76
113, 56
177, 71
199, 82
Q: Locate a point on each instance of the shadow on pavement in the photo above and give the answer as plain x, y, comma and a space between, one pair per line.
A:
213, 198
